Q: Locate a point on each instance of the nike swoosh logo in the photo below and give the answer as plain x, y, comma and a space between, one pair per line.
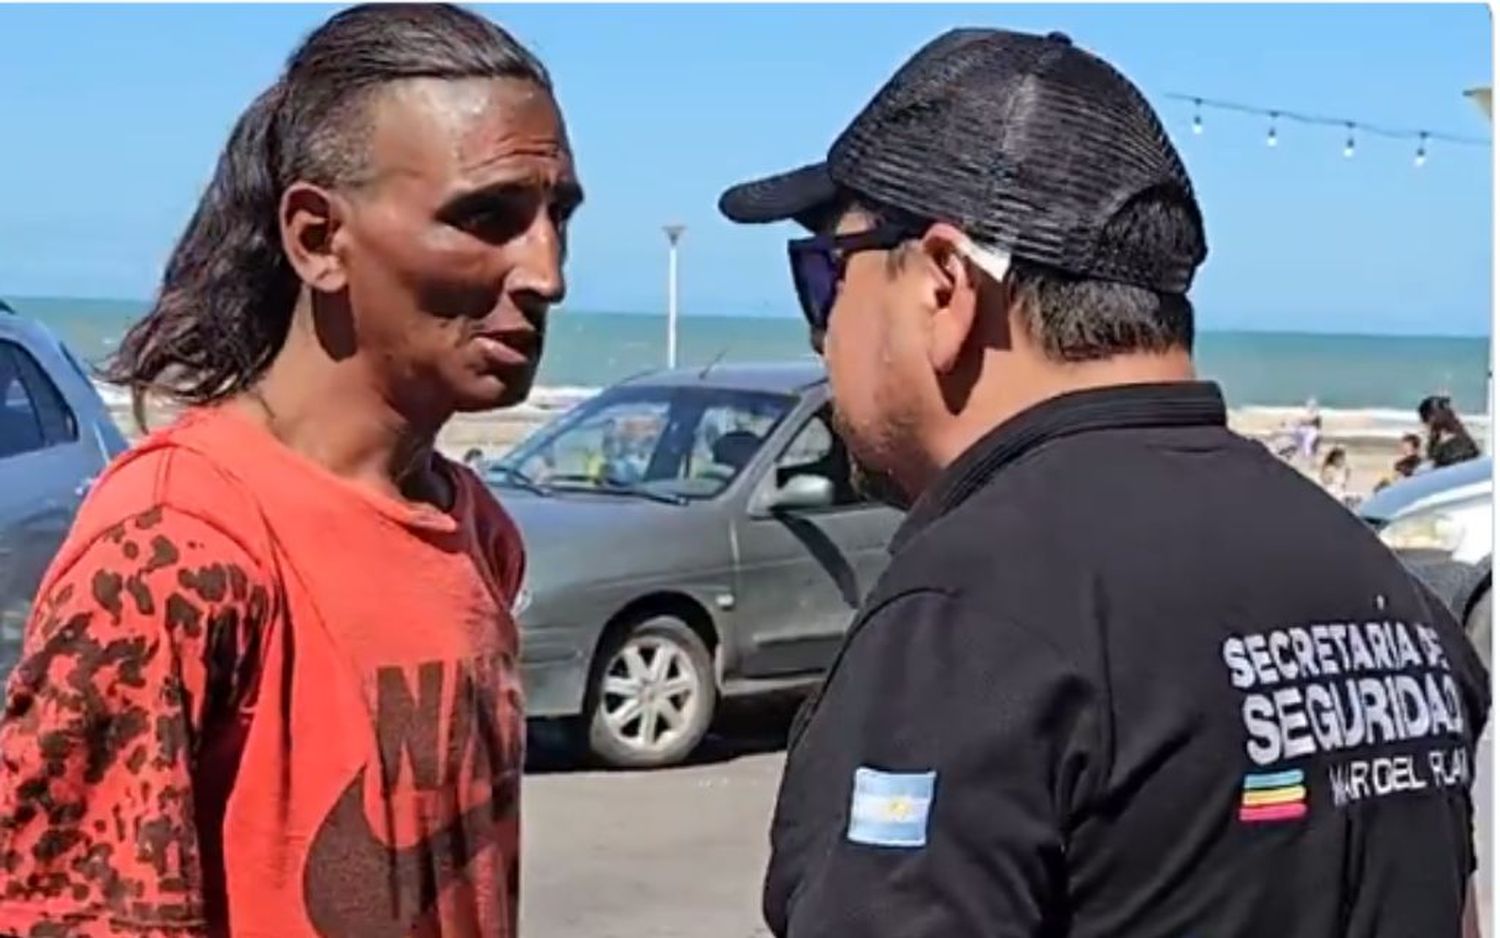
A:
357, 885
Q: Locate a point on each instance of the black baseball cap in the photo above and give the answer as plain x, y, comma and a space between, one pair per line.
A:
1025, 142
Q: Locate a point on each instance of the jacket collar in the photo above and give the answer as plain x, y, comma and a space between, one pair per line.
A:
1134, 406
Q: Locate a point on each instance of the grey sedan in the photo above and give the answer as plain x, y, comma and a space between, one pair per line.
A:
691, 535
56, 436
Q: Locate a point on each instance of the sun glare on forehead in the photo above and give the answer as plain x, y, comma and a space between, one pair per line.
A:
476, 112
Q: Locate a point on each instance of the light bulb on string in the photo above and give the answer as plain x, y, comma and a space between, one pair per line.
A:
1421, 159
1271, 134
1349, 144
1197, 115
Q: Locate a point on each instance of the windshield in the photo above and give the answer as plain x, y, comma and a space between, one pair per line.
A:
680, 442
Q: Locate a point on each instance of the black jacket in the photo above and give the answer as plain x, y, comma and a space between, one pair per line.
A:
1129, 675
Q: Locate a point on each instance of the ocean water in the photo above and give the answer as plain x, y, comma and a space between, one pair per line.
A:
1271, 369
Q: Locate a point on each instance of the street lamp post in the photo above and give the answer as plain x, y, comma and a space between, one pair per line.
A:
674, 234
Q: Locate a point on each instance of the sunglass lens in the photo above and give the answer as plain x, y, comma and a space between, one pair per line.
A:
816, 276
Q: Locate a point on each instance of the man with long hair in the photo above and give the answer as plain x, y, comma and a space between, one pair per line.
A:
270, 686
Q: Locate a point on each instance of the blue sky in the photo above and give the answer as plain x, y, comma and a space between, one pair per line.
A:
113, 116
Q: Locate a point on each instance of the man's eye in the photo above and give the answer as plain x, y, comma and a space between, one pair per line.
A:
494, 224
561, 211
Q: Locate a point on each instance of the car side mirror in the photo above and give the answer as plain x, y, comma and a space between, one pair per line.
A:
802, 492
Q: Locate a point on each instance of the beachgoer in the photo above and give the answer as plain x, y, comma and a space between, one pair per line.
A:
1309, 430
1100, 690
1408, 464
1411, 456
1334, 475
270, 685
1448, 440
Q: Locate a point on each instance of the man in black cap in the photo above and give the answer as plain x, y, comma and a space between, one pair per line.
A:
1099, 691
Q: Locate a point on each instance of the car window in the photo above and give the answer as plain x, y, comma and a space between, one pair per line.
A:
615, 440
56, 418
20, 422
817, 450
730, 433
684, 442
813, 443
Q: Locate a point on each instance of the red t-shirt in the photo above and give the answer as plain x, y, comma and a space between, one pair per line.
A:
256, 698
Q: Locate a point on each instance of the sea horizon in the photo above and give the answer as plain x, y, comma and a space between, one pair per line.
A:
107, 302
1261, 368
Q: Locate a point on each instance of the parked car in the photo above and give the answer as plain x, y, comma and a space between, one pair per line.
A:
691, 535
1441, 523
56, 436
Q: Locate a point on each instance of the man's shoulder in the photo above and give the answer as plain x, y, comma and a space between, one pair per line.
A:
174, 472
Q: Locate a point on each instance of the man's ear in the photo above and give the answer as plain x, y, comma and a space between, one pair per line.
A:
954, 296
311, 219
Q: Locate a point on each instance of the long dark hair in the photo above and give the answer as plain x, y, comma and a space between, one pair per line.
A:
1438, 414
227, 293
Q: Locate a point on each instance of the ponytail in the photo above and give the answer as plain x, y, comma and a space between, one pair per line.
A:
227, 294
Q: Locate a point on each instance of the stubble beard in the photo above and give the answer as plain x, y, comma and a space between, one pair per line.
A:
875, 484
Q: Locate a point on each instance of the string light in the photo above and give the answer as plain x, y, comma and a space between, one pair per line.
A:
1424, 138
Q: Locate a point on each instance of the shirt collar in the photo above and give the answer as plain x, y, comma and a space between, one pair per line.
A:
1133, 406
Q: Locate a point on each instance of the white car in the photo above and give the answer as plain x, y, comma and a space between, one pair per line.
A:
1441, 524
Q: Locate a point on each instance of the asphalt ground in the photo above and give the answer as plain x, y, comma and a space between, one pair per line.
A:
679, 853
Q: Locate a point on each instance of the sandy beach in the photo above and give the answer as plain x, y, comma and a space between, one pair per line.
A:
1369, 437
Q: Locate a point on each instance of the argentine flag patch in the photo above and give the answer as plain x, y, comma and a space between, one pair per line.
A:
890, 809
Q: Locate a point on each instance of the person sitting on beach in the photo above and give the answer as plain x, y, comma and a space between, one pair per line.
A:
1411, 456
1448, 440
270, 686
1407, 465
1334, 476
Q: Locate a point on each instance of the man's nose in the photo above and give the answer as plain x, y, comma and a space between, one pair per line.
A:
538, 259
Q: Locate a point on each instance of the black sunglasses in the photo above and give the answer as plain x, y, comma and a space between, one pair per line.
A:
818, 267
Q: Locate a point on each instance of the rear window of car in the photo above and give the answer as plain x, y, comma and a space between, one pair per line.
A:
33, 414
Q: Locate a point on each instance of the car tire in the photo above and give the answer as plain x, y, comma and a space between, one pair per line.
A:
1480, 626
651, 695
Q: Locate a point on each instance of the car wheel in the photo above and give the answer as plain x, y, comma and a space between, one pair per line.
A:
652, 696
1480, 626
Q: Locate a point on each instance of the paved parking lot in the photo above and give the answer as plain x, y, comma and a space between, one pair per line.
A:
676, 853
679, 853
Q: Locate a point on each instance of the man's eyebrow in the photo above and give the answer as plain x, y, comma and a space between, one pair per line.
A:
567, 193
483, 196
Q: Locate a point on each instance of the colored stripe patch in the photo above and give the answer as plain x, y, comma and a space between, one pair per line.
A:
1273, 812
1274, 780
1265, 796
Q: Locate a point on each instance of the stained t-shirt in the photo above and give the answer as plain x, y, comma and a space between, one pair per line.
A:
257, 699
1129, 676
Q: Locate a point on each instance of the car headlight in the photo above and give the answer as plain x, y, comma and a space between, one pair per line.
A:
1439, 531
